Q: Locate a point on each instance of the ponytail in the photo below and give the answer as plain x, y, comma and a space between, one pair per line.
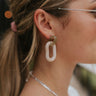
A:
9, 65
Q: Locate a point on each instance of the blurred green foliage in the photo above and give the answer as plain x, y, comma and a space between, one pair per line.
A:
87, 79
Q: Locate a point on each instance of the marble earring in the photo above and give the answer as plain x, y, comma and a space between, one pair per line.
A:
51, 43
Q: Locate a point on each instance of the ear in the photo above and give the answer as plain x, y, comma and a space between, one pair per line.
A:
43, 21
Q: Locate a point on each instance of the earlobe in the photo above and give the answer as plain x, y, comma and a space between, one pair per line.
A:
42, 21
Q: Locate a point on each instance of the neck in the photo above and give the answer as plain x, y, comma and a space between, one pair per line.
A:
56, 75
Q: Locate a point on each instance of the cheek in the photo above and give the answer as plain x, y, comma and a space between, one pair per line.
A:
79, 37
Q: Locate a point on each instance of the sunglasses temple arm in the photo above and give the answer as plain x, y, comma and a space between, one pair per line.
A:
76, 9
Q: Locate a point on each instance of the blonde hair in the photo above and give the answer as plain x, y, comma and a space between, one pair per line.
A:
18, 49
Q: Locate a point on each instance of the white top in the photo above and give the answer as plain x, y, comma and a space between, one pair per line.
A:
72, 91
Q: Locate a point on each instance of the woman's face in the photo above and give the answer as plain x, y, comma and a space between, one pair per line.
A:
77, 41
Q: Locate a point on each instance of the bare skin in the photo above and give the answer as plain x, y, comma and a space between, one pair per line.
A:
75, 43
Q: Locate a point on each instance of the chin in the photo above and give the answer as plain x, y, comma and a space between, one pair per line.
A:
88, 61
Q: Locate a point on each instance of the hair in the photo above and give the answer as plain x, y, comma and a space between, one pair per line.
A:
18, 49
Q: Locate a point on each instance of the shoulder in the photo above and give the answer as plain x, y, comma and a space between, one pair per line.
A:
32, 88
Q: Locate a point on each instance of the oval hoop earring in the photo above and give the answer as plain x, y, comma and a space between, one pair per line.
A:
47, 52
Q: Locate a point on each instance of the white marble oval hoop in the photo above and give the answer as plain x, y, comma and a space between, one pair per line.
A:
48, 44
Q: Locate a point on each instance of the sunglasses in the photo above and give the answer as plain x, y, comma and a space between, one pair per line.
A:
77, 9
